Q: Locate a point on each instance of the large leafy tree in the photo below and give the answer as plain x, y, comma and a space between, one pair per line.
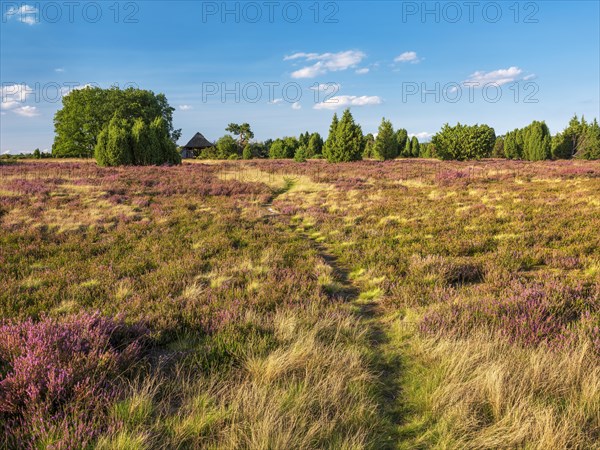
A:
386, 146
243, 132
347, 143
463, 142
86, 112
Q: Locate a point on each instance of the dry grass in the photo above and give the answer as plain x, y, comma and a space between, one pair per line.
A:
495, 395
314, 390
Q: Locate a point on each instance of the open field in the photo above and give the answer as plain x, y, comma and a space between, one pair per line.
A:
277, 305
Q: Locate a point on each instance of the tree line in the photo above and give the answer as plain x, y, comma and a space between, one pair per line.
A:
135, 127
346, 142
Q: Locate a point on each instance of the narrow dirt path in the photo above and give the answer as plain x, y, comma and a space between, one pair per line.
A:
385, 358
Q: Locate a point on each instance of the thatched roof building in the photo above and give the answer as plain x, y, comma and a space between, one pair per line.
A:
197, 143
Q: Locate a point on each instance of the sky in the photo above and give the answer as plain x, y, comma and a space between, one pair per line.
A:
286, 67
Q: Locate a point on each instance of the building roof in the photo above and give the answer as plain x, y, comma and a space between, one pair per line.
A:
198, 141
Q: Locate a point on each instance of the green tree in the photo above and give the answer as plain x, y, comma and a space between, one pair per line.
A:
291, 145
463, 142
401, 138
347, 144
561, 147
590, 148
386, 146
283, 148
304, 139
114, 145
580, 139
247, 153
532, 143
315, 144
330, 142
427, 150
243, 132
537, 142
37, 154
86, 112
407, 148
226, 147
498, 151
277, 150
168, 153
302, 154
513, 148
368, 145
415, 147
145, 145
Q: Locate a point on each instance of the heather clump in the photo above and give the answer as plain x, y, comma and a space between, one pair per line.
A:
59, 376
525, 314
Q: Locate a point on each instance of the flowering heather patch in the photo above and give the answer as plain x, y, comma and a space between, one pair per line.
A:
526, 314
57, 377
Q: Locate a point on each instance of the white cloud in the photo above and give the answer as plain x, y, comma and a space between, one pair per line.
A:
14, 93
185, 107
342, 101
498, 77
66, 90
423, 135
408, 57
25, 14
27, 111
13, 97
59, 70
362, 71
296, 105
326, 62
8, 104
275, 101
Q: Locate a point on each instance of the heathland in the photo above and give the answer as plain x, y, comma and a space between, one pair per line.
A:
271, 304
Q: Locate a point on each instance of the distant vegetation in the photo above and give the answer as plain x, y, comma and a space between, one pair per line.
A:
346, 142
121, 127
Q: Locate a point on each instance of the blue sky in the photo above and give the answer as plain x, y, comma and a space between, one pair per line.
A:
542, 58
